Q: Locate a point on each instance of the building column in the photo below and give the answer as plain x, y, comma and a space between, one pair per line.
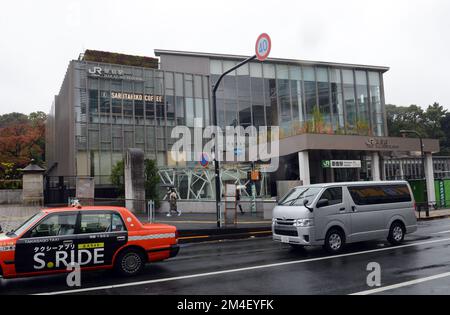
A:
429, 177
383, 168
376, 174
303, 165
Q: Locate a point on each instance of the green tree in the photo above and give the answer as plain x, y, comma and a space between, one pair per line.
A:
117, 178
151, 183
432, 123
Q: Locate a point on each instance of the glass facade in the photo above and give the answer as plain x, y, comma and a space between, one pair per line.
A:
139, 111
301, 98
135, 107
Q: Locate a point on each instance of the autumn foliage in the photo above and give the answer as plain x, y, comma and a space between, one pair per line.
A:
22, 138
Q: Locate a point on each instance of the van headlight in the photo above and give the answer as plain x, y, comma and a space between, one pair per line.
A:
303, 222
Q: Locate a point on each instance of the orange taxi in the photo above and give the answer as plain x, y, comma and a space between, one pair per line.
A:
93, 238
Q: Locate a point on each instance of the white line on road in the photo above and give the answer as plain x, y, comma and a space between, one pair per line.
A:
403, 284
442, 232
199, 275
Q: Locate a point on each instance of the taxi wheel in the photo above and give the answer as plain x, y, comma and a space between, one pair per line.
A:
130, 262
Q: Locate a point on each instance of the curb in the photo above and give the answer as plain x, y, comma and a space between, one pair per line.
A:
434, 218
196, 236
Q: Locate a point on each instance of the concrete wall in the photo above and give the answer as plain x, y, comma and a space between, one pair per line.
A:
33, 189
10, 197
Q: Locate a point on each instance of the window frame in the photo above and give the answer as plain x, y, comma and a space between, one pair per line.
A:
333, 204
111, 212
77, 232
27, 234
391, 201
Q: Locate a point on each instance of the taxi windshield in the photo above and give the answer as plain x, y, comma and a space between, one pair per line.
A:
26, 224
297, 196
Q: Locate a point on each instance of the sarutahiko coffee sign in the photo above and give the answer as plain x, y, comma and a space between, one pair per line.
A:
137, 97
110, 73
381, 143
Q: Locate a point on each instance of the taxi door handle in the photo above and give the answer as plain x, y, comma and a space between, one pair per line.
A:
342, 209
68, 242
121, 238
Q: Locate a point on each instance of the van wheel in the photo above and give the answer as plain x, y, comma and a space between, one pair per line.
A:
334, 241
396, 233
130, 262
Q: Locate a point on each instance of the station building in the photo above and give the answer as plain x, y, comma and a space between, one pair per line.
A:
331, 116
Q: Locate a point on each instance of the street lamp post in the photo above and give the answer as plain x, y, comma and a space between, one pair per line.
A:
216, 146
404, 132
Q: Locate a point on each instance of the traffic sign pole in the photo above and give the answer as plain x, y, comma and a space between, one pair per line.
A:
262, 50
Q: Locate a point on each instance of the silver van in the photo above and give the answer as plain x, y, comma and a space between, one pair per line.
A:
332, 215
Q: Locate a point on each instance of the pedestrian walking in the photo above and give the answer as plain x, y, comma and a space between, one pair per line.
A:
238, 200
173, 197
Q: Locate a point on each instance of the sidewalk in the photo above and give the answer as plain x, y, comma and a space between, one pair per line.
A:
434, 215
194, 227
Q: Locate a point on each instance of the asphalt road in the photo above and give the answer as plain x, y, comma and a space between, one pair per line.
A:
260, 267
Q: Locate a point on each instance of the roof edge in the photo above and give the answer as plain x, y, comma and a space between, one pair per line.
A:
159, 52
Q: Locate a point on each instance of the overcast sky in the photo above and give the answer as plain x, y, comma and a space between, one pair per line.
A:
412, 37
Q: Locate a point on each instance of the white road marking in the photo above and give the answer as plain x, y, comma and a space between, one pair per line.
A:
403, 284
442, 232
130, 284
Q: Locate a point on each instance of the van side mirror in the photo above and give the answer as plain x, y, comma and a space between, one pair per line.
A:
305, 204
323, 203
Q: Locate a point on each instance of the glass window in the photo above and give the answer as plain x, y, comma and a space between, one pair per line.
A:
296, 93
324, 96
21, 229
56, 225
349, 101
256, 70
310, 92
93, 101
229, 85
117, 223
363, 103
374, 195
337, 100
198, 108
197, 86
227, 65
95, 223
215, 66
243, 70
268, 71
190, 112
375, 99
298, 195
270, 95
169, 80
333, 195
179, 84
180, 110
231, 113
105, 104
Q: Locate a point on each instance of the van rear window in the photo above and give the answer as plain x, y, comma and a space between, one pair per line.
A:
383, 194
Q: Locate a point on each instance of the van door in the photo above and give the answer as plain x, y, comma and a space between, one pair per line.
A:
367, 218
336, 211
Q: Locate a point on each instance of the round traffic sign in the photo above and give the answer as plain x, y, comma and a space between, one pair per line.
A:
263, 46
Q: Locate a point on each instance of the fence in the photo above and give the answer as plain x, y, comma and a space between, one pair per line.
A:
11, 184
148, 205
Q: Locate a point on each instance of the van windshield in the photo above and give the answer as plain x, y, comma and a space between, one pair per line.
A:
297, 196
